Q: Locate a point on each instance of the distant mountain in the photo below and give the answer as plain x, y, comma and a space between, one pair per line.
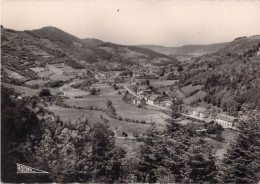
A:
187, 51
22, 50
92, 41
54, 34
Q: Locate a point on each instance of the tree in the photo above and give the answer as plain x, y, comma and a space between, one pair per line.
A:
93, 91
147, 82
109, 104
176, 108
44, 92
111, 108
151, 156
18, 123
242, 161
175, 155
115, 87
106, 157
180, 68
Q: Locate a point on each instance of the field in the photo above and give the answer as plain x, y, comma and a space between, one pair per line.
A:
158, 83
15, 75
58, 77
45, 73
123, 109
39, 82
54, 72
195, 97
188, 90
23, 90
116, 126
38, 69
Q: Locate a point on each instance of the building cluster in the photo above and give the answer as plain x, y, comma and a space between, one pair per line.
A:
146, 97
226, 121
111, 77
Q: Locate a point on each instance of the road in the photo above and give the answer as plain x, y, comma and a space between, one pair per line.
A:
66, 86
133, 138
130, 91
198, 118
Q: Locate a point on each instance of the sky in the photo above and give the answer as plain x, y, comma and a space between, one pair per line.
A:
139, 22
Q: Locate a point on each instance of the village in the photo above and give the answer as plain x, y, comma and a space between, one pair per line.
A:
138, 91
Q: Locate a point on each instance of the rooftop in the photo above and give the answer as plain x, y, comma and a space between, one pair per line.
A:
200, 109
225, 117
153, 97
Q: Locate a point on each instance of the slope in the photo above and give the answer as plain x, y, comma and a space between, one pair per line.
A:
230, 76
186, 52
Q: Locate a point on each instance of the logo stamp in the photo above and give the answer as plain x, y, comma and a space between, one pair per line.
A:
23, 169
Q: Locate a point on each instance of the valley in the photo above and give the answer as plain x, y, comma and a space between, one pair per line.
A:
69, 82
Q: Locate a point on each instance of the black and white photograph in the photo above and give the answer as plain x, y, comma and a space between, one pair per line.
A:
130, 91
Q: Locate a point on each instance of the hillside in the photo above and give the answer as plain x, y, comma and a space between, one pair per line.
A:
97, 50
23, 50
230, 76
185, 52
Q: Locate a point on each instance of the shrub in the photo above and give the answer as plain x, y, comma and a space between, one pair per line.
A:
143, 122
93, 91
44, 92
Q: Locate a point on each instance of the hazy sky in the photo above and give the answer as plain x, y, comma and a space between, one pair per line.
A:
160, 22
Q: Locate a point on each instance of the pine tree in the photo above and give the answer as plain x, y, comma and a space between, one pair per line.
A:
242, 161
175, 155
151, 156
106, 157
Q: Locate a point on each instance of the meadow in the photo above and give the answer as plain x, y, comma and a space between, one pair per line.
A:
123, 109
117, 126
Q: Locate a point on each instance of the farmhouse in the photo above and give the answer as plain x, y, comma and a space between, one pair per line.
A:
201, 112
139, 101
131, 88
144, 95
153, 99
225, 120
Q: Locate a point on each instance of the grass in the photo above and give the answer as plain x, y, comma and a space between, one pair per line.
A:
76, 92
195, 97
38, 69
188, 90
220, 147
39, 82
123, 109
93, 117
23, 90
15, 75
157, 83
58, 77
45, 73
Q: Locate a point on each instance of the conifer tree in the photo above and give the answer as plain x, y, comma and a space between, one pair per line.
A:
242, 161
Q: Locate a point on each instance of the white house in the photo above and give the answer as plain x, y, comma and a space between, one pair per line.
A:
225, 120
153, 99
139, 101
200, 112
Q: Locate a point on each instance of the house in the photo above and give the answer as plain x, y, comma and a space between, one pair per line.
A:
201, 112
19, 97
153, 99
131, 88
139, 101
225, 120
146, 96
